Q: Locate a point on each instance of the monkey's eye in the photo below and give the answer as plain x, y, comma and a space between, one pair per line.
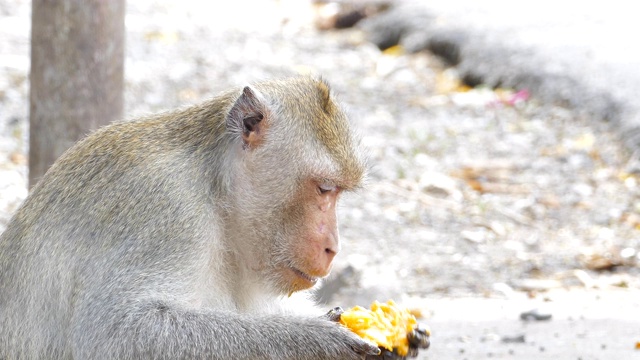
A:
324, 188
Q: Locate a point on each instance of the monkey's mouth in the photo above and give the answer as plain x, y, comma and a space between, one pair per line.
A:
304, 276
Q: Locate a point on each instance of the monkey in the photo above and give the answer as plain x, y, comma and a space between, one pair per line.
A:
191, 234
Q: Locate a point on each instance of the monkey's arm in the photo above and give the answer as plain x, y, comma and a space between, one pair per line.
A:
162, 330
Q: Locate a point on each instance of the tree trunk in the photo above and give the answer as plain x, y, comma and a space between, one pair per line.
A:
77, 74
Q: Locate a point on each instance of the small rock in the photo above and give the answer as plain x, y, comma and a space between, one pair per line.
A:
438, 184
513, 339
345, 278
535, 315
475, 236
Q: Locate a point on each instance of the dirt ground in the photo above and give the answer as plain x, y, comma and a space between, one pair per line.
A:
481, 204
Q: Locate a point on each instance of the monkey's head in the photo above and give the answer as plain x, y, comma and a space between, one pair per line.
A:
294, 154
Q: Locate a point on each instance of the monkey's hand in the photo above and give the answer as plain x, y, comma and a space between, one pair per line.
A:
418, 339
367, 349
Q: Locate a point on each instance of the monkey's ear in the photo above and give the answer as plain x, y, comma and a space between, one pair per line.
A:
246, 116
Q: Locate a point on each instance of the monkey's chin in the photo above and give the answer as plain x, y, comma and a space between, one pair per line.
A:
300, 280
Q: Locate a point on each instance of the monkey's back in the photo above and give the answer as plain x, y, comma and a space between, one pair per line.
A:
118, 196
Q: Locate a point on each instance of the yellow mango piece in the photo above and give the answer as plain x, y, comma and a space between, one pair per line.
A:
384, 324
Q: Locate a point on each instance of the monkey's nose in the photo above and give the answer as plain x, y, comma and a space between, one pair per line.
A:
331, 253
327, 259
332, 248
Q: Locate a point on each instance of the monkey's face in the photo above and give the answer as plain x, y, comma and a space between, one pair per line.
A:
310, 234
287, 236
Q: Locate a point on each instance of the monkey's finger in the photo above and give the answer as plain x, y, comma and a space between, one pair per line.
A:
366, 348
413, 352
389, 355
419, 337
334, 314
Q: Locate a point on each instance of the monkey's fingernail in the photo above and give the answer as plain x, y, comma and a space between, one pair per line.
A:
423, 329
374, 349
334, 314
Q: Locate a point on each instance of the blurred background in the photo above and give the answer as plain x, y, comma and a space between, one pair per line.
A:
504, 182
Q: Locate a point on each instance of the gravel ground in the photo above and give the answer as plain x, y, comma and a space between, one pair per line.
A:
582, 53
476, 196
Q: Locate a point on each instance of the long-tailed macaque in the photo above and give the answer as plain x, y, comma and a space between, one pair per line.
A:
186, 235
